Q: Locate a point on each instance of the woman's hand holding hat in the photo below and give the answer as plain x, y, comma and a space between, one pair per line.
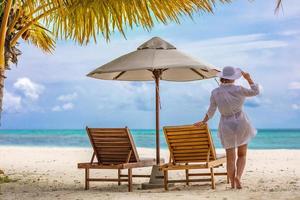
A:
247, 76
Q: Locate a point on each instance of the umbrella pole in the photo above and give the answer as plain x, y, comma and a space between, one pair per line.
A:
155, 178
157, 74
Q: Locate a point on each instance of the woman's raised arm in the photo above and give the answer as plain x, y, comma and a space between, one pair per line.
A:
254, 87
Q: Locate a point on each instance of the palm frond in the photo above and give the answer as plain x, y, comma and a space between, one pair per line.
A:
81, 20
41, 38
36, 33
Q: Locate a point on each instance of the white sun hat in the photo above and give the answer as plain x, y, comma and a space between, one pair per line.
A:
230, 73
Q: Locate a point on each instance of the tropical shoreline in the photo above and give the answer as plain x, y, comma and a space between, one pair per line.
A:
265, 139
51, 173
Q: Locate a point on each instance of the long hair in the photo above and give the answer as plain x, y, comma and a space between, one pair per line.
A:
224, 80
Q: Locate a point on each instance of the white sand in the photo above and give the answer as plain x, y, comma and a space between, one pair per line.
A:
51, 173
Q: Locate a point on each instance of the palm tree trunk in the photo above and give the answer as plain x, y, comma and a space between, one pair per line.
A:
3, 30
2, 77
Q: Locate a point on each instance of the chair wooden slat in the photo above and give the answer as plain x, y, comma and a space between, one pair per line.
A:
197, 154
179, 151
113, 148
187, 136
114, 153
189, 144
111, 139
108, 130
190, 147
181, 140
112, 142
175, 133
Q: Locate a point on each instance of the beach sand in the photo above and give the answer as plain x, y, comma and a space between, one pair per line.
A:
51, 173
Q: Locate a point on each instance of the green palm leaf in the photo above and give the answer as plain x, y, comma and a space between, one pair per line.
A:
85, 19
41, 38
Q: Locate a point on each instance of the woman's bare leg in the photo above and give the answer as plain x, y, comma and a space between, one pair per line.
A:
230, 155
240, 164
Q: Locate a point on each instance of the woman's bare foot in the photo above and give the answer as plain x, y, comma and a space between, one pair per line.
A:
232, 185
237, 183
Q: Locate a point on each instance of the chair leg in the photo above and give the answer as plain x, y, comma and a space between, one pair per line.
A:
213, 184
87, 176
129, 180
119, 176
166, 179
186, 175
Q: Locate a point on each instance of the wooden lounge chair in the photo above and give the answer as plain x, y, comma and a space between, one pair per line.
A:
114, 148
191, 147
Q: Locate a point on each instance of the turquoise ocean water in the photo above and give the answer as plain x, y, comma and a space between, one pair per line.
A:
265, 139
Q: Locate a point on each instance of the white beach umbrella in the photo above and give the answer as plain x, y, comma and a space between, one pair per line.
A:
155, 60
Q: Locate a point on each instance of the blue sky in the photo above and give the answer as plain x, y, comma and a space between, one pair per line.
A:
52, 91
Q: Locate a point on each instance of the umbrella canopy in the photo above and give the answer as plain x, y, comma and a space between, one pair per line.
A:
155, 54
156, 60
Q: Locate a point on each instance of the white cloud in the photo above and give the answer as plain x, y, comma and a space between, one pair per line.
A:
257, 102
68, 106
289, 32
126, 95
11, 102
296, 106
294, 85
231, 39
236, 43
67, 97
30, 89
243, 50
56, 109
64, 107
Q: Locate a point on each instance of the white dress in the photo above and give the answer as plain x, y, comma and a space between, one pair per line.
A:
235, 128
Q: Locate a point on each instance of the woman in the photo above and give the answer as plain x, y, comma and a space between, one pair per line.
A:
235, 129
